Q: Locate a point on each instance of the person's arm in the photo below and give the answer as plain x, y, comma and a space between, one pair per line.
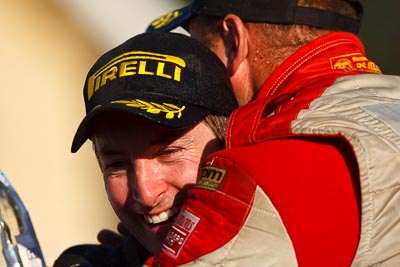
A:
312, 184
117, 251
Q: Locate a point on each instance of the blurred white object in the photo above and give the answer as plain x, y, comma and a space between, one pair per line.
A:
20, 246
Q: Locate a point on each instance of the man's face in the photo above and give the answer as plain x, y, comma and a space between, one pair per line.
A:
147, 169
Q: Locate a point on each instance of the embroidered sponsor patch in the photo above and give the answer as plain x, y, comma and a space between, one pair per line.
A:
354, 62
136, 63
170, 110
211, 178
183, 226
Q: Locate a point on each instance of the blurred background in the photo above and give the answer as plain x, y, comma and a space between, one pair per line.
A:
46, 48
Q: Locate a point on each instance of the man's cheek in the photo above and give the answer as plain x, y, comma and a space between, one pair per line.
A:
117, 195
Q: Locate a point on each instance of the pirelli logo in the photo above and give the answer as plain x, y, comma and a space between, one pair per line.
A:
211, 178
136, 63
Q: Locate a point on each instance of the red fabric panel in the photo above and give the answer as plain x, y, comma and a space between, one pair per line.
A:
314, 184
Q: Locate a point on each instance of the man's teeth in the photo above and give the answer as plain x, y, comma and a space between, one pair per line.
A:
162, 217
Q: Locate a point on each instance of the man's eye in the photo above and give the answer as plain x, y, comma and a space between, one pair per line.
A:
116, 169
168, 151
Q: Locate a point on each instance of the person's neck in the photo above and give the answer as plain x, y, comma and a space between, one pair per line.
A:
269, 61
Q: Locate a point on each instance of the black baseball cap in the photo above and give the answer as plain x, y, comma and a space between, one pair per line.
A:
267, 11
168, 78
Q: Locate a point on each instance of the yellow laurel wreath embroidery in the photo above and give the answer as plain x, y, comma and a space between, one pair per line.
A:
170, 110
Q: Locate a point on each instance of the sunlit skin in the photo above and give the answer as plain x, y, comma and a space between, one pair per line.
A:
147, 169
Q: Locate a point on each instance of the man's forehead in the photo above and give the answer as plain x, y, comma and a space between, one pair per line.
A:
134, 126
114, 141
117, 125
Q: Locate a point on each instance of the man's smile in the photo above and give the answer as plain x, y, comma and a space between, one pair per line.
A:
161, 217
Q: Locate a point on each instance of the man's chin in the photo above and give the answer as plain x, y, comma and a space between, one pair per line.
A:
158, 233
160, 230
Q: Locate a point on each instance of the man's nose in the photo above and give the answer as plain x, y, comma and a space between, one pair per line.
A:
148, 186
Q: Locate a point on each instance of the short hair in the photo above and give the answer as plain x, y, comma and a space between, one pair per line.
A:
286, 38
218, 125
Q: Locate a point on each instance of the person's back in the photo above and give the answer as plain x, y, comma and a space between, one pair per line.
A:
316, 139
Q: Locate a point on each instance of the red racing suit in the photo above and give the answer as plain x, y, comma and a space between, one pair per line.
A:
310, 175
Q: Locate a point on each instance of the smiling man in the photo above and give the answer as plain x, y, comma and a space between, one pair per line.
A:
147, 168
156, 106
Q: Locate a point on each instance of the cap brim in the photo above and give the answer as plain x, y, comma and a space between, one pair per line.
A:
177, 115
171, 20
279, 14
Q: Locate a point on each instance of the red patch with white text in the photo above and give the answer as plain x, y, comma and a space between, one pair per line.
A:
183, 226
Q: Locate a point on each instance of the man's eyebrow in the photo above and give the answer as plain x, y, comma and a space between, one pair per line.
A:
170, 137
105, 151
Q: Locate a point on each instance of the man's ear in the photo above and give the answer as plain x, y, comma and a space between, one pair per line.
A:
235, 42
